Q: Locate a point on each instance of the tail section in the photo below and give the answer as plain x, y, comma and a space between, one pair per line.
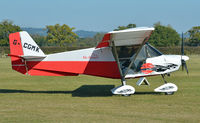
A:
30, 48
23, 47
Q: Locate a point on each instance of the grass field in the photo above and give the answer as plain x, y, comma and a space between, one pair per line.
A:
88, 98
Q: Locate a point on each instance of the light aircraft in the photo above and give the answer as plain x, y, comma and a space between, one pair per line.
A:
120, 55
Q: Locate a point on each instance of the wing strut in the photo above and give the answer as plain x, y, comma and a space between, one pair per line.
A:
114, 50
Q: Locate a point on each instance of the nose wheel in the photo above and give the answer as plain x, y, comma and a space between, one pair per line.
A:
126, 95
169, 93
167, 88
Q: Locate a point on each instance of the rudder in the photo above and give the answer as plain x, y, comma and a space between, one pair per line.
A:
15, 53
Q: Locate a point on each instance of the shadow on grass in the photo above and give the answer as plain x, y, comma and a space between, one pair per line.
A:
83, 91
147, 93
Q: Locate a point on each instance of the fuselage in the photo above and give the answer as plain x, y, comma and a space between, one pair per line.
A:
98, 62
91, 61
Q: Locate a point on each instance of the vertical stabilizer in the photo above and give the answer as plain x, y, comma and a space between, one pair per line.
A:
23, 47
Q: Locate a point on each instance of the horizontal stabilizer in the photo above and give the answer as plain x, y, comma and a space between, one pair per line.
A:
27, 57
33, 57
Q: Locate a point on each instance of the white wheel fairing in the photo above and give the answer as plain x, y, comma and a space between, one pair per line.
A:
123, 90
169, 87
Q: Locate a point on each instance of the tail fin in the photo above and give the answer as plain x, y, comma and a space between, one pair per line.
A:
23, 47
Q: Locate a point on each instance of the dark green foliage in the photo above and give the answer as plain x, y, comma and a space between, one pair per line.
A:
188, 50
194, 36
40, 40
4, 51
7, 27
89, 42
82, 42
125, 27
56, 49
164, 36
61, 35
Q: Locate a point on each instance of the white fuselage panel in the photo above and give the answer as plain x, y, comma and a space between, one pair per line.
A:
90, 54
163, 64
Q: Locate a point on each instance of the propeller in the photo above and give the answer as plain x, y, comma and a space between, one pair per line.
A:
183, 58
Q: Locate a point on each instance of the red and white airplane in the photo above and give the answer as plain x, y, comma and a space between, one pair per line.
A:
120, 55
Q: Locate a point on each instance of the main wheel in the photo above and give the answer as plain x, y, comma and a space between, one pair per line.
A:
169, 93
126, 95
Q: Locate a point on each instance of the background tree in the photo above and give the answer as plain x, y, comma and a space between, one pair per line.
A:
7, 27
98, 38
164, 36
194, 36
61, 35
89, 41
125, 27
40, 40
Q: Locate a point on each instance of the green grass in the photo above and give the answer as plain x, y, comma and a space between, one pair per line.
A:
88, 98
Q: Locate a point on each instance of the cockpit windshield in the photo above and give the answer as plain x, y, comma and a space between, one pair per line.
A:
127, 53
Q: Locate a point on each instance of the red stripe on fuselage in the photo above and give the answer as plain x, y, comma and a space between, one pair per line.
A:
58, 68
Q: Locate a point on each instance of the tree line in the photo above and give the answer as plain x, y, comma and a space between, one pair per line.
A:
63, 36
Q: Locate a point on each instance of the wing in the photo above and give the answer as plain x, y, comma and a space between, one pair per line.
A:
133, 36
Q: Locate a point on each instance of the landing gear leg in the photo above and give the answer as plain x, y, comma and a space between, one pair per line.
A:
163, 76
166, 93
123, 82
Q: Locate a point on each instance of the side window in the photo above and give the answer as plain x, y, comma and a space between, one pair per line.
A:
125, 54
152, 52
140, 60
147, 51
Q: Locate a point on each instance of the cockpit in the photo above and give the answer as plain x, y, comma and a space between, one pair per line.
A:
135, 53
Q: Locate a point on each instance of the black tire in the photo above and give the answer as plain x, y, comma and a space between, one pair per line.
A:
169, 93
126, 95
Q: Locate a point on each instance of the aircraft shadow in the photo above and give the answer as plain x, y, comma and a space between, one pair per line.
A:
147, 93
83, 91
